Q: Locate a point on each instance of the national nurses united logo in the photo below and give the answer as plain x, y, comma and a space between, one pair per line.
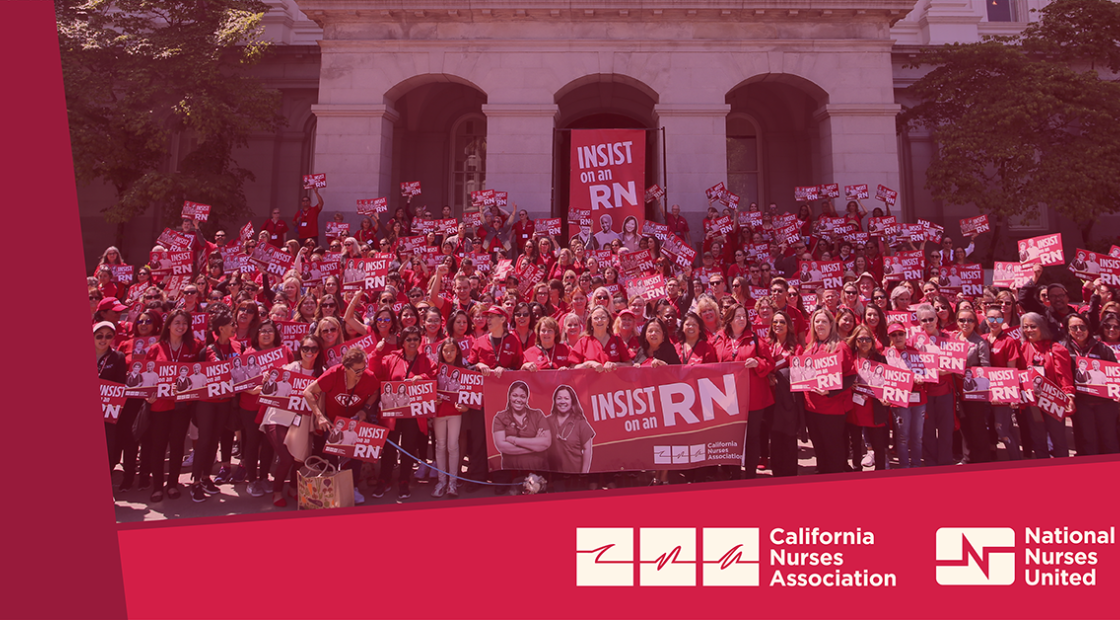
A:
975, 556
670, 556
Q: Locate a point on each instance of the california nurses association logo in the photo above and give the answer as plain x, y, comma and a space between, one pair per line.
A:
670, 556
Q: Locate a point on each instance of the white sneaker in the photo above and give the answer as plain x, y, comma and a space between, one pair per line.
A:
358, 497
189, 461
869, 459
255, 489
440, 490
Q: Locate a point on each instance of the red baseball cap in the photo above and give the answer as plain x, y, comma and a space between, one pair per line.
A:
895, 327
497, 310
111, 303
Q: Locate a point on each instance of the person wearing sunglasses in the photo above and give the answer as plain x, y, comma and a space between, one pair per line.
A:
1004, 353
211, 415
170, 419
937, 437
112, 365
1052, 360
404, 364
974, 415
274, 422
1094, 426
868, 417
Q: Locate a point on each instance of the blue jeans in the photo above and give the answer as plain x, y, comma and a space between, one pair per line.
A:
909, 423
938, 439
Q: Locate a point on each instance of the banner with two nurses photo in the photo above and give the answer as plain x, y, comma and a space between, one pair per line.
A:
580, 421
608, 181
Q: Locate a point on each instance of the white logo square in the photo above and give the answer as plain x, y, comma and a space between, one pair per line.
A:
680, 454
667, 556
662, 455
730, 556
975, 556
604, 556
697, 453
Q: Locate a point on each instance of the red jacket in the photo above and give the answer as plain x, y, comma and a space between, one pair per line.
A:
161, 352
742, 350
1054, 360
841, 402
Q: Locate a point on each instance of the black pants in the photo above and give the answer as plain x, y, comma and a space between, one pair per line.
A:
251, 443
783, 454
210, 418
474, 425
1026, 440
1043, 426
877, 435
407, 436
752, 450
826, 432
168, 429
1094, 426
974, 431
123, 443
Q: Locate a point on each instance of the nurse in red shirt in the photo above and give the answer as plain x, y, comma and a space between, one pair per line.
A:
497, 349
599, 348
826, 412
307, 218
740, 344
170, 419
404, 364
548, 353
349, 390
692, 342
1040, 352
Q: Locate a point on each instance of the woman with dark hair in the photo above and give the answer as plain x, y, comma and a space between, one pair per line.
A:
1040, 352
170, 419
145, 333
868, 417
521, 434
448, 424
740, 344
306, 309
788, 413
1094, 426
246, 321
876, 320
599, 348
654, 347
692, 342
846, 321
211, 415
974, 415
256, 450
367, 231
523, 325
275, 422
111, 366
572, 436
826, 411
946, 319
805, 217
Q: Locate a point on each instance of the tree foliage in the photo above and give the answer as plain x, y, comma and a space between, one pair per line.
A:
138, 73
1019, 121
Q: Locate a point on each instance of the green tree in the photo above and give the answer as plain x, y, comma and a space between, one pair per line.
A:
137, 73
1026, 120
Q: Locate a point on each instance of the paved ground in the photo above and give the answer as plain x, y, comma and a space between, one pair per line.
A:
133, 506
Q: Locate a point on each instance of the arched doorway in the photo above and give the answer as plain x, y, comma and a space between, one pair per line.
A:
439, 140
773, 140
602, 101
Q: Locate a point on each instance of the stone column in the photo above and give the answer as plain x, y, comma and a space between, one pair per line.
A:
696, 152
519, 153
354, 147
859, 144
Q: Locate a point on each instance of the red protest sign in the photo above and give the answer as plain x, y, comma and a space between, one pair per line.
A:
112, 399
1090, 265
547, 226
994, 385
283, 388
967, 280
607, 172
421, 226
460, 386
750, 219
371, 207
198, 380
472, 219
806, 193
1048, 396
1044, 250
634, 263
356, 440
291, 332
1010, 275
653, 229
122, 273
174, 240
830, 190
528, 277
815, 372
410, 189
246, 232
1097, 377
408, 399
272, 261
724, 224
336, 230
817, 274
672, 417
972, 226
314, 181
884, 382
195, 211
654, 192
649, 288
716, 191
367, 343
411, 245
856, 192
878, 226
904, 266
931, 231
246, 370
368, 274
886, 194
501, 199
951, 353
447, 226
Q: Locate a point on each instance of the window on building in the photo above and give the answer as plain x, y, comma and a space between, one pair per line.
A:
468, 166
1001, 10
743, 172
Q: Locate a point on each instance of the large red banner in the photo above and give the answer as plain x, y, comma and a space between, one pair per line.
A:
579, 421
608, 179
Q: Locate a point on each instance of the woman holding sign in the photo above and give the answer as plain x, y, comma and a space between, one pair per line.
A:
975, 414
740, 344
826, 411
212, 414
170, 419
448, 422
868, 416
275, 422
1094, 426
1051, 360
405, 364
111, 366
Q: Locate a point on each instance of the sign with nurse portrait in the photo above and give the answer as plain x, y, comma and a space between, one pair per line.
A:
608, 179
